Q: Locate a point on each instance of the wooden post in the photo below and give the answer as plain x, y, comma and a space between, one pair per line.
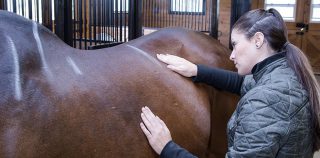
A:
238, 8
214, 19
2, 4
135, 19
63, 20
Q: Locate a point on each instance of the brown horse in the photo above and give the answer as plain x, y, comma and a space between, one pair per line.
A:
57, 101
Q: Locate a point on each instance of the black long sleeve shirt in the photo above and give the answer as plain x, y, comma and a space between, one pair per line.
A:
219, 78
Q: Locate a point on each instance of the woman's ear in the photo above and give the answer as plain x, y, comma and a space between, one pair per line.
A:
258, 39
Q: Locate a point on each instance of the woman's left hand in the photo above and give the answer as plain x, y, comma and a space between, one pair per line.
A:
155, 129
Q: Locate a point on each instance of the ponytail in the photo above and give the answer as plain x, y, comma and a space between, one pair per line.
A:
298, 61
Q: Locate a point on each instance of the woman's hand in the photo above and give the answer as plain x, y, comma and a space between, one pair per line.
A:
179, 65
155, 129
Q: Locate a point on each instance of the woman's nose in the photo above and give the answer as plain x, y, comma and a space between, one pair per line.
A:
232, 56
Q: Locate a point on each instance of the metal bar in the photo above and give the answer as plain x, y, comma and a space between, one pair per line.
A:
95, 21
165, 14
214, 19
30, 8
103, 25
170, 13
162, 14
116, 20
145, 13
90, 22
175, 15
22, 7
14, 6
111, 22
125, 21
149, 13
37, 4
74, 24
203, 13
152, 12
50, 14
120, 20
197, 16
207, 10
80, 22
185, 15
135, 28
85, 23
99, 21
5, 5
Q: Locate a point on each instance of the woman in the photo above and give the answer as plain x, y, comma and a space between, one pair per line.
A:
278, 113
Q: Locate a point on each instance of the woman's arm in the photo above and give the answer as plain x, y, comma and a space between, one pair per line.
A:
219, 78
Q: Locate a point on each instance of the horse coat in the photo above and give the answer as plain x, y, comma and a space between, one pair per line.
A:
57, 101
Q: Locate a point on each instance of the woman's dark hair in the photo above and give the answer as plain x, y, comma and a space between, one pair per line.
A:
271, 24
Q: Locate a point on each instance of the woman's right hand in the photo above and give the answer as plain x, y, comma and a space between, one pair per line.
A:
179, 65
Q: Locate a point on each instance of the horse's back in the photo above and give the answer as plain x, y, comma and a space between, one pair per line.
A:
63, 102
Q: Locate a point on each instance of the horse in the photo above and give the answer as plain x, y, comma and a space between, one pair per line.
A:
58, 101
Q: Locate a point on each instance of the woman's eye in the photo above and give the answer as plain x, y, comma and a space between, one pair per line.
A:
233, 44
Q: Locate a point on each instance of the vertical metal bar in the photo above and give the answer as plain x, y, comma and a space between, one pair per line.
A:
110, 24
144, 9
50, 14
175, 12
80, 22
37, 5
214, 19
152, 13
121, 20
30, 8
22, 7
103, 20
203, 13
74, 24
5, 5
179, 13
125, 21
197, 16
185, 14
109, 19
149, 13
90, 22
162, 14
170, 12
191, 18
207, 13
155, 13
165, 17
116, 20
146, 13
95, 21
85, 23
100, 20
135, 28
14, 6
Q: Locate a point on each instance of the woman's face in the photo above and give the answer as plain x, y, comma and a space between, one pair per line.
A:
244, 54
